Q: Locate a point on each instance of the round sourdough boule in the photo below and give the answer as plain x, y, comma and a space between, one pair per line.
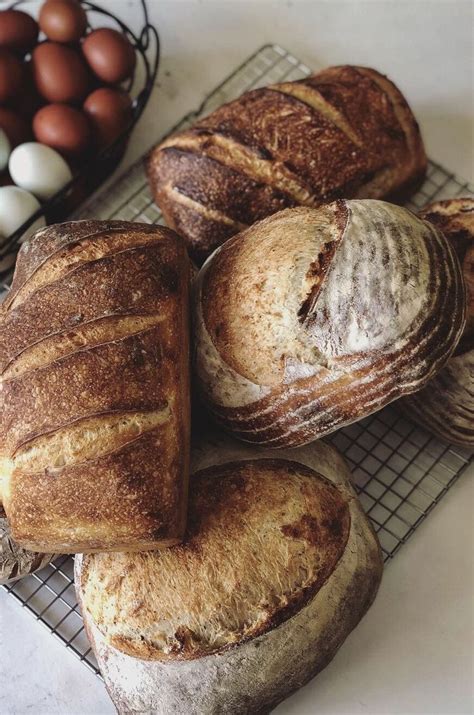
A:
278, 566
314, 318
15, 562
446, 405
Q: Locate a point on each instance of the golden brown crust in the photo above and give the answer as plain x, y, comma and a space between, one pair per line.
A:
261, 552
345, 132
446, 405
16, 562
196, 607
94, 388
314, 318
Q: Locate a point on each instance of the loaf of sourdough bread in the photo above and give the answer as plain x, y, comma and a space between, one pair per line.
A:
346, 132
94, 389
446, 405
314, 318
278, 566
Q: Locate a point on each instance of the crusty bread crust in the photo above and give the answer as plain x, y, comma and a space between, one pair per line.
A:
314, 318
263, 536
446, 405
94, 389
344, 132
15, 562
250, 673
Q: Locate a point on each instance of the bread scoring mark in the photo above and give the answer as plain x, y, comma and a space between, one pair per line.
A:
319, 268
306, 406
446, 405
129, 375
240, 157
303, 407
372, 183
85, 439
314, 276
98, 427
312, 98
90, 248
376, 291
455, 218
65, 343
263, 302
400, 108
177, 194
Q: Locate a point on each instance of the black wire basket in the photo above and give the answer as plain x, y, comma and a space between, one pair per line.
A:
97, 168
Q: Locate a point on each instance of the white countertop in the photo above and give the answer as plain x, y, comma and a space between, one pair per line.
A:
413, 652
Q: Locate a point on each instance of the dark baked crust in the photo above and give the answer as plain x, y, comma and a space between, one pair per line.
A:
345, 132
446, 405
94, 372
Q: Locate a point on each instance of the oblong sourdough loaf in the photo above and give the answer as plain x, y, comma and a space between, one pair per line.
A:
446, 405
94, 389
279, 565
346, 132
314, 318
15, 562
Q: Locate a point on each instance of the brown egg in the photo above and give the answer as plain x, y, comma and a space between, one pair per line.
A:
110, 55
60, 73
63, 20
18, 31
11, 75
110, 111
15, 127
28, 101
63, 128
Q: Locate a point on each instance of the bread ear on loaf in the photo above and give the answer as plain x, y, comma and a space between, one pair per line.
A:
278, 566
314, 318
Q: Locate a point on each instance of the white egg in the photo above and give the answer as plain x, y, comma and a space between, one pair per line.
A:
16, 207
39, 169
5, 150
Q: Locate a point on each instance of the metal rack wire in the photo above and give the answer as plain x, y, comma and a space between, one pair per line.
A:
401, 472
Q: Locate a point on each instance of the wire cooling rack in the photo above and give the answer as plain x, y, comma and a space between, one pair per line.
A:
401, 472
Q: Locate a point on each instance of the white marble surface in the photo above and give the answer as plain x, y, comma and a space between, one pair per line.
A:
413, 651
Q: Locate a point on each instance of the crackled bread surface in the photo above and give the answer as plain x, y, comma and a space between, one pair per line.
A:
279, 565
344, 132
262, 538
314, 318
446, 405
94, 388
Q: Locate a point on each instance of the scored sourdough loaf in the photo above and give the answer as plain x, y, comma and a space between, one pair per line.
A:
446, 405
94, 389
278, 566
346, 132
314, 318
